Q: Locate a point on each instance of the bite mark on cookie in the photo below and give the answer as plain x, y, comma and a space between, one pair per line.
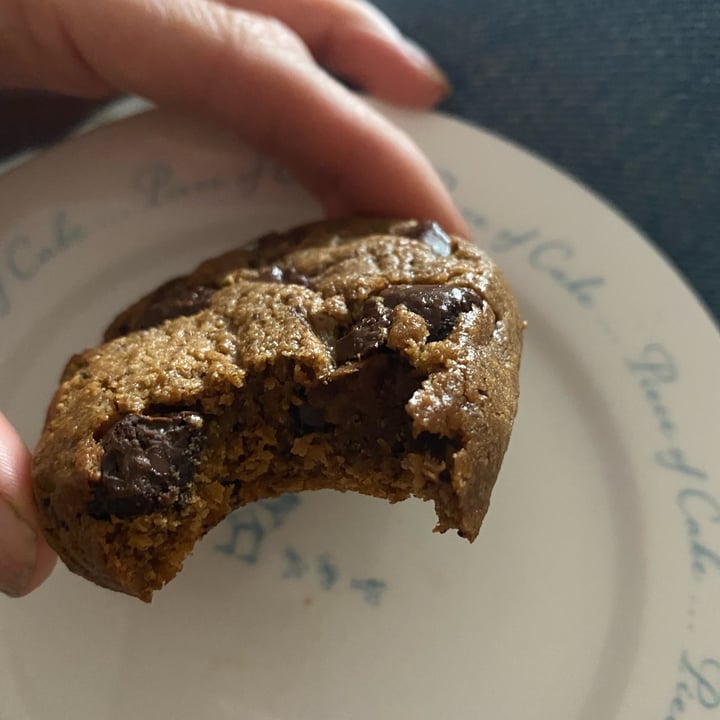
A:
362, 356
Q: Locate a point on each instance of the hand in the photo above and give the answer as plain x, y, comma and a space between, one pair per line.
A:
25, 558
253, 66
255, 74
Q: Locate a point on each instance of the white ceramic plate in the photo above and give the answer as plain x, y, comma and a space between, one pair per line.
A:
592, 591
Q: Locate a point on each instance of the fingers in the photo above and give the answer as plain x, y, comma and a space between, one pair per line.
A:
356, 41
254, 75
350, 37
25, 557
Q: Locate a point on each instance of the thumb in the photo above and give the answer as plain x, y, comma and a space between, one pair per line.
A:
25, 557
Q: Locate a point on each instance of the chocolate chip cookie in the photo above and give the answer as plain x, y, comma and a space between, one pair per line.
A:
375, 356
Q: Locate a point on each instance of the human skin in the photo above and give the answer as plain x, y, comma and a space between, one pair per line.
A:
259, 67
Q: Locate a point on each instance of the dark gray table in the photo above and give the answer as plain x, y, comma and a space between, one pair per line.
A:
623, 95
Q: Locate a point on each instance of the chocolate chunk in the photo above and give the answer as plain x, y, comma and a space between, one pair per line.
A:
276, 244
366, 335
432, 235
438, 305
148, 464
288, 275
174, 299
175, 302
309, 419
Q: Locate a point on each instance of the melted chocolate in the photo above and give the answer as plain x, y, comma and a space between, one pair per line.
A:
438, 305
431, 234
148, 464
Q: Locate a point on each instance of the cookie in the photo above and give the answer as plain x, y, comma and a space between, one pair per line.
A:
373, 356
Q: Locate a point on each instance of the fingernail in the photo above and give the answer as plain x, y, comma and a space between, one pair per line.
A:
18, 551
427, 65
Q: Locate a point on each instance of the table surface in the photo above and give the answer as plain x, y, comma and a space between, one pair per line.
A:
623, 96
